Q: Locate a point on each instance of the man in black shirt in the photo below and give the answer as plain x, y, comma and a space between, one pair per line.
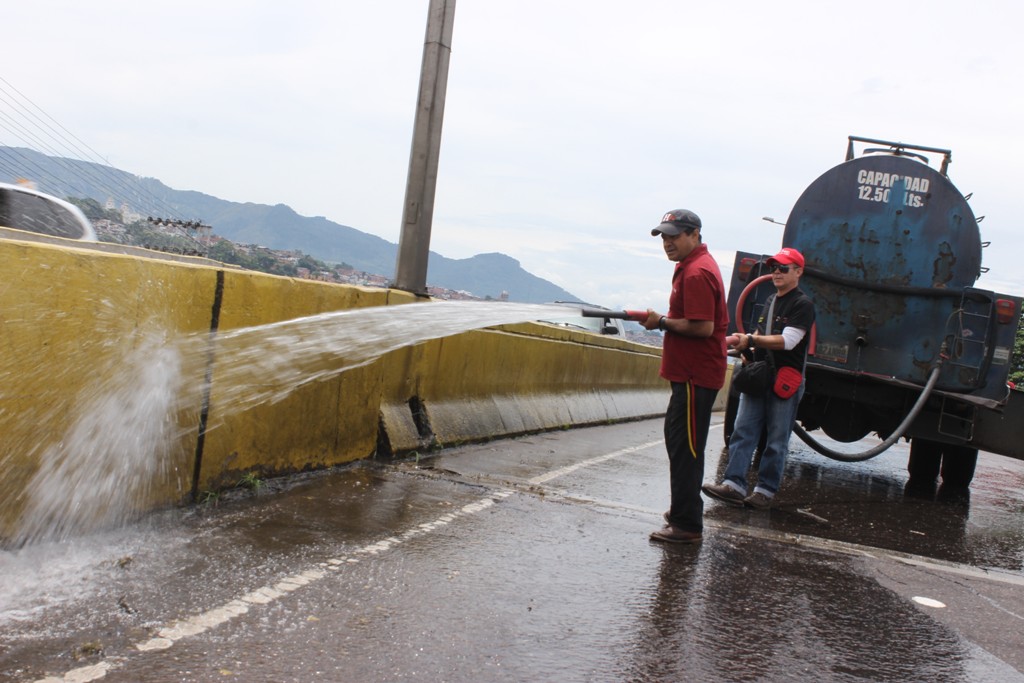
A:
783, 340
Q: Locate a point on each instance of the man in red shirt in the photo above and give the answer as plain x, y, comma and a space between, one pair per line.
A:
693, 360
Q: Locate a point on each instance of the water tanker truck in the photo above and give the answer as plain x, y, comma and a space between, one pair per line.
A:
905, 346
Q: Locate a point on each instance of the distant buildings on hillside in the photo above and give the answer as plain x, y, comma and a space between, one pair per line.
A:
128, 215
292, 263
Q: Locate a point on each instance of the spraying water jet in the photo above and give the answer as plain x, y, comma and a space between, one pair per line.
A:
126, 437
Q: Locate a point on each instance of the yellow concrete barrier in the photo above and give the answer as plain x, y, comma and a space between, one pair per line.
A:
74, 317
70, 319
514, 380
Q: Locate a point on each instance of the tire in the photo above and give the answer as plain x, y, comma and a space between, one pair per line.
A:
958, 465
925, 462
929, 459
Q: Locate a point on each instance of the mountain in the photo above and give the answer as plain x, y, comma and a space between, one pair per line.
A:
275, 227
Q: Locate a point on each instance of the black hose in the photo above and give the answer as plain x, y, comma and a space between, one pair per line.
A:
893, 438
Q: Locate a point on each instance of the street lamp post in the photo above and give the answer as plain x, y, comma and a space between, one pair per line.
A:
418, 212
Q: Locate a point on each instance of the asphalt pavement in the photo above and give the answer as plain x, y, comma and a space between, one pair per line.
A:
529, 560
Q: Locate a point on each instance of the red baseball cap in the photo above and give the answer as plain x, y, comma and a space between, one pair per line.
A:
788, 256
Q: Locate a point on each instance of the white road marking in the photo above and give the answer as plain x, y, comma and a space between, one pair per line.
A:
200, 623
928, 602
562, 471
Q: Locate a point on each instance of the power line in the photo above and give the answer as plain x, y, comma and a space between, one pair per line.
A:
96, 172
29, 162
55, 135
45, 140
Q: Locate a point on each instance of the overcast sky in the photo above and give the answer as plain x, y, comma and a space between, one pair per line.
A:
571, 126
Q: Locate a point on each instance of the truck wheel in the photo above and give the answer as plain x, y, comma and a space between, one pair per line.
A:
958, 464
929, 458
924, 464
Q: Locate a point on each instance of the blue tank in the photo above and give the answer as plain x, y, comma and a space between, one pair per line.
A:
887, 220
893, 250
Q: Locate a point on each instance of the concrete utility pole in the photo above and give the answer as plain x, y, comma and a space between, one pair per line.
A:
418, 213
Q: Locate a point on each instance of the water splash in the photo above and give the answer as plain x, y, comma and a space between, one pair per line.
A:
255, 365
102, 470
115, 450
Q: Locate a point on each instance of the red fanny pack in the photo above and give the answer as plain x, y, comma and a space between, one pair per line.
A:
787, 382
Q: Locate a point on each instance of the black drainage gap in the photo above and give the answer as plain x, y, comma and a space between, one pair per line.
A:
204, 414
421, 419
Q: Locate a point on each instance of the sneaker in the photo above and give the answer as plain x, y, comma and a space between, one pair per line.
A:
758, 501
724, 493
671, 534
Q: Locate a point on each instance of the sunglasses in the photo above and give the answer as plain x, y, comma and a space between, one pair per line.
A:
777, 268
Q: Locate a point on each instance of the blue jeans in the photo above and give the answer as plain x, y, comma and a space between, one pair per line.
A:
755, 412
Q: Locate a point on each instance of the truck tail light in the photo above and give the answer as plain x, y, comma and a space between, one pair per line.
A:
746, 265
1005, 310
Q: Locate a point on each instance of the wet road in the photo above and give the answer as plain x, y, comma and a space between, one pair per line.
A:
529, 560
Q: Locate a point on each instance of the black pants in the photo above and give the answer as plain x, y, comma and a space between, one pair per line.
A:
686, 434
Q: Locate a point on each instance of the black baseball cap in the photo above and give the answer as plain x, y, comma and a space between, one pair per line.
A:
677, 221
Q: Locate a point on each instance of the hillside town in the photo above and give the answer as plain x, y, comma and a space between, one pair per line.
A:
120, 224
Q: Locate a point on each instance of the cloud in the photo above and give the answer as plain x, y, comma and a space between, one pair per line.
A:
569, 126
